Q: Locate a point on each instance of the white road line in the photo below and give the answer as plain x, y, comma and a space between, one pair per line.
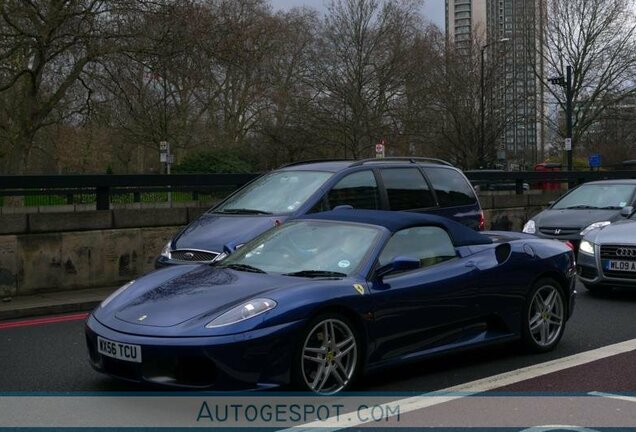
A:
613, 396
482, 385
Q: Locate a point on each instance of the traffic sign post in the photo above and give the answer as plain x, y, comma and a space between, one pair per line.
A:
566, 83
379, 149
595, 161
166, 157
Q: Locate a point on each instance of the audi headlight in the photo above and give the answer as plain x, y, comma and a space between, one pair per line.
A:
242, 312
586, 247
594, 226
165, 252
116, 293
530, 227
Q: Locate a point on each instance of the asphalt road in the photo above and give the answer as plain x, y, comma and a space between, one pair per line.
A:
52, 357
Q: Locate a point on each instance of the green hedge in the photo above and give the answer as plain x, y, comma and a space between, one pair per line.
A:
214, 162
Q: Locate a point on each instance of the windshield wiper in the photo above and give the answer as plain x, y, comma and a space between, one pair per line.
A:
611, 208
582, 206
243, 267
315, 273
243, 211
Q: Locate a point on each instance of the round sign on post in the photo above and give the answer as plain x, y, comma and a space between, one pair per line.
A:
379, 150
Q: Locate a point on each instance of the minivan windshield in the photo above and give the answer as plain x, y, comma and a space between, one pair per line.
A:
307, 249
598, 196
278, 192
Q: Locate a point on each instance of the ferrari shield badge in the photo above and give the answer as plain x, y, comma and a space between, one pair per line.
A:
359, 288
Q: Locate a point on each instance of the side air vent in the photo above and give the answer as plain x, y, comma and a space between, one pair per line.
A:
502, 252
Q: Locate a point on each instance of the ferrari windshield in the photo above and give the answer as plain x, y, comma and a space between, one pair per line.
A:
598, 196
307, 249
275, 193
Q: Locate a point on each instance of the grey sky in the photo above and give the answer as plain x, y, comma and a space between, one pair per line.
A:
433, 10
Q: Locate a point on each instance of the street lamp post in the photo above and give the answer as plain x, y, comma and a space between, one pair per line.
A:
482, 137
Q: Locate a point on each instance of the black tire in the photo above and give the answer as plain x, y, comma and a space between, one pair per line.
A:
597, 289
540, 331
346, 367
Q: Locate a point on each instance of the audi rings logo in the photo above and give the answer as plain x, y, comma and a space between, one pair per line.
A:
626, 252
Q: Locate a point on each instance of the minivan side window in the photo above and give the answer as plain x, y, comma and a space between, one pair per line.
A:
451, 187
407, 189
359, 190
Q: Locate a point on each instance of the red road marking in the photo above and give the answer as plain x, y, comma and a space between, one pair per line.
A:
41, 321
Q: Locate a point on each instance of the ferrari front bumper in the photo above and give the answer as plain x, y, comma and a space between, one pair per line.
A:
260, 358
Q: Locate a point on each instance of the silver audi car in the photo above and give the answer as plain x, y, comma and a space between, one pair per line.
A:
607, 255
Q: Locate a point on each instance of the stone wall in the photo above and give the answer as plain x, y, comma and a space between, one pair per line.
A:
511, 212
45, 252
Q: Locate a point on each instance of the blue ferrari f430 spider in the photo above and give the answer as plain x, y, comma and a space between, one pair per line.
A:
322, 299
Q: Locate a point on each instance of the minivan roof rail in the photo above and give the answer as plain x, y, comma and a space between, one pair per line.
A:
404, 159
313, 161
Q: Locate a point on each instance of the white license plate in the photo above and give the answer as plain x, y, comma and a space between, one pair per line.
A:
626, 266
118, 350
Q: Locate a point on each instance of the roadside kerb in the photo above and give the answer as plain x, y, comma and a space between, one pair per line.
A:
53, 303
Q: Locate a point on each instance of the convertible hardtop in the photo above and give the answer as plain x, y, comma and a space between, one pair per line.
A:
398, 220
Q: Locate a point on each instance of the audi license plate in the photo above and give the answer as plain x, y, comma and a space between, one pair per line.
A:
118, 350
613, 265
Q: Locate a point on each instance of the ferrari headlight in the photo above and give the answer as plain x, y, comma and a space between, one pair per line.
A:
242, 312
586, 247
594, 226
165, 252
529, 227
116, 293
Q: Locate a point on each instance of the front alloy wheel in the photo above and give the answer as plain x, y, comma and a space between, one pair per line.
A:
545, 316
329, 356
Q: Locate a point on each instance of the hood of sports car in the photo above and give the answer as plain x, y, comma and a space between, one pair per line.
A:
205, 290
180, 300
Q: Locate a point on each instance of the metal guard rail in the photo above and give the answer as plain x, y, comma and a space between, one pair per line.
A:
105, 185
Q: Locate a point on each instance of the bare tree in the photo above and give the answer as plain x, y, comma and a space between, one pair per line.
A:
359, 73
45, 47
236, 78
598, 39
455, 92
284, 125
417, 111
151, 92
613, 135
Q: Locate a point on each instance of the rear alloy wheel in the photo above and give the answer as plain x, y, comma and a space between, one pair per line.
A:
329, 356
545, 316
